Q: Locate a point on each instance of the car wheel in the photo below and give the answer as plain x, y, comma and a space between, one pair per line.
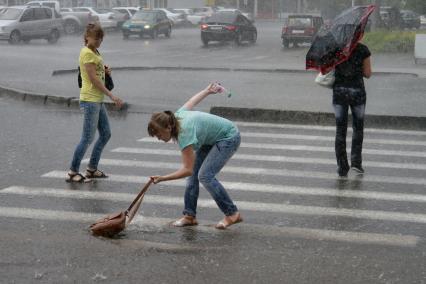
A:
168, 32
53, 37
254, 37
238, 38
70, 27
154, 34
286, 43
15, 37
205, 41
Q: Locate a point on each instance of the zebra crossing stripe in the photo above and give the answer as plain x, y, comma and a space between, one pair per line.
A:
269, 188
275, 158
306, 148
264, 171
258, 230
328, 128
209, 203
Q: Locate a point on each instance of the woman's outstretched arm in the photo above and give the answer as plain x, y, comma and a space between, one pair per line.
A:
197, 98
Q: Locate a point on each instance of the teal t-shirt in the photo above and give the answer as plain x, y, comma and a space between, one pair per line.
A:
199, 128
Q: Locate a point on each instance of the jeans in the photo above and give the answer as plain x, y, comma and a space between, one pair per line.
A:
341, 114
210, 159
95, 117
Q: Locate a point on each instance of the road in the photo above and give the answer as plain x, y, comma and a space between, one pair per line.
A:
301, 223
404, 94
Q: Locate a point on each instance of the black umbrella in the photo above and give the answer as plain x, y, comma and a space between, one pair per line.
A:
334, 43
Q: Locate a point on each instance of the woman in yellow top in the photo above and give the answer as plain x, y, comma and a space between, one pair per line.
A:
91, 103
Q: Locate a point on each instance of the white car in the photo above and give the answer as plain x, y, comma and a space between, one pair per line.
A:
423, 20
106, 18
247, 15
176, 18
130, 11
190, 16
204, 11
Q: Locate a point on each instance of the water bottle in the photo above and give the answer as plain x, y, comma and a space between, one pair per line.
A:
223, 90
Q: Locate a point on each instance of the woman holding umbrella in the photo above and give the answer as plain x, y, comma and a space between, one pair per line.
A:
349, 92
337, 47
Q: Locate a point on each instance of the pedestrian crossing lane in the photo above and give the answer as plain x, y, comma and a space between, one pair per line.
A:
271, 151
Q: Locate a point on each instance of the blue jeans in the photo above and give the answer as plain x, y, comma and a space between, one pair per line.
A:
95, 117
209, 161
341, 114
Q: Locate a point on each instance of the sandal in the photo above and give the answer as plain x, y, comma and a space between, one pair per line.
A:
95, 174
185, 221
77, 177
227, 221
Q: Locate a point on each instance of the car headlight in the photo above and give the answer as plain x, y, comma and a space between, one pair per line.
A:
147, 27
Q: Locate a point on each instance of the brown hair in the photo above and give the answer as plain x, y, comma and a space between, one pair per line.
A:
94, 30
161, 120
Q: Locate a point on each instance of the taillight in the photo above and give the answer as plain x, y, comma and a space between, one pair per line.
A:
310, 31
285, 30
204, 26
231, 28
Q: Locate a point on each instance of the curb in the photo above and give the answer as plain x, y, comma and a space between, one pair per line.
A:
223, 69
316, 118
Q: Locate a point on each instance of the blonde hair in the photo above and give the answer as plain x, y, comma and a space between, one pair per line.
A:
93, 30
162, 120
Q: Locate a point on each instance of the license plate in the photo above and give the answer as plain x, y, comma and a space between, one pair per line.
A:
216, 28
298, 32
135, 30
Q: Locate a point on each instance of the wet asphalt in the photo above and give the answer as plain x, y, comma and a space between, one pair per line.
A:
287, 237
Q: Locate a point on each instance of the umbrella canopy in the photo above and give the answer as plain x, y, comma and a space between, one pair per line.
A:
334, 43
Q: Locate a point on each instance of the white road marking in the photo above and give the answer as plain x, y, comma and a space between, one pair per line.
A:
305, 233
305, 148
210, 203
270, 188
275, 158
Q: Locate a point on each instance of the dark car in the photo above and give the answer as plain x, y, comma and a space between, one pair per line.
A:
410, 19
228, 26
300, 29
147, 22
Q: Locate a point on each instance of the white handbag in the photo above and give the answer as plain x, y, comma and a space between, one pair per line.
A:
325, 80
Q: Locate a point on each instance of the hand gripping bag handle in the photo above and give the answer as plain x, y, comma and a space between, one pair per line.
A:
133, 208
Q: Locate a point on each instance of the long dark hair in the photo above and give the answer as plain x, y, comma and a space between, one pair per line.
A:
161, 120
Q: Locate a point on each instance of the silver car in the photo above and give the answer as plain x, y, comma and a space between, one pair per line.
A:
23, 23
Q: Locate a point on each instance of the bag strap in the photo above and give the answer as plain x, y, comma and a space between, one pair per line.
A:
144, 189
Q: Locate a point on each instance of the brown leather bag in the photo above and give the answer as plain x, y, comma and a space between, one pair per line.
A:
115, 223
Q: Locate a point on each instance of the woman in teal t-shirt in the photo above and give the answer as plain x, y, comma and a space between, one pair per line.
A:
206, 142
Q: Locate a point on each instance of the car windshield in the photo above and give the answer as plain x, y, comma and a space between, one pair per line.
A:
143, 16
300, 22
222, 17
101, 11
10, 14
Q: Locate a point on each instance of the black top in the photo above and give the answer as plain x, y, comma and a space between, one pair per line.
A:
349, 75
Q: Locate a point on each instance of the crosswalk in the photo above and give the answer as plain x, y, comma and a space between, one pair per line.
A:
283, 179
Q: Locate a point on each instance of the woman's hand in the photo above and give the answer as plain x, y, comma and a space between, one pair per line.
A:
212, 88
107, 70
156, 179
116, 100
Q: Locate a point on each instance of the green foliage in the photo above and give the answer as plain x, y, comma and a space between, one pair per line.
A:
390, 41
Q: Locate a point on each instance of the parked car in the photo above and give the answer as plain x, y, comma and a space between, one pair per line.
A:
177, 19
225, 26
204, 11
147, 22
423, 20
75, 22
106, 17
130, 11
247, 15
410, 19
51, 4
120, 17
191, 18
26, 23
300, 29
